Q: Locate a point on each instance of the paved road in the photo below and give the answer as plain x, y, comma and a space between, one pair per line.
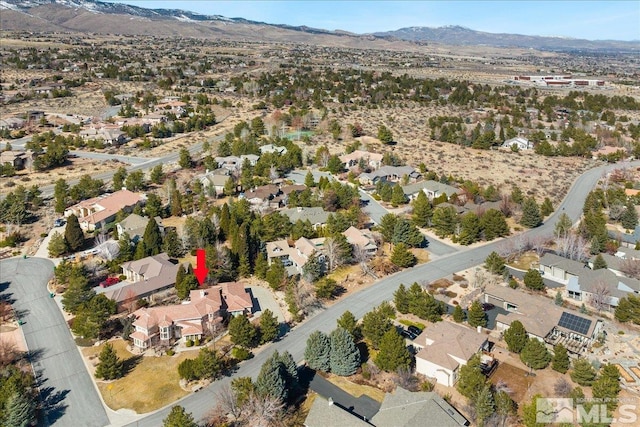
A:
360, 303
106, 156
69, 395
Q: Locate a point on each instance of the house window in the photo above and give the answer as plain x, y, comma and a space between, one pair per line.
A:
164, 333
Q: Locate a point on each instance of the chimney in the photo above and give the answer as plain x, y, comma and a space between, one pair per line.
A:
479, 329
330, 400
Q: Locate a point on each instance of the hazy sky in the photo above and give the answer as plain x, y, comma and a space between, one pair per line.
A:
594, 20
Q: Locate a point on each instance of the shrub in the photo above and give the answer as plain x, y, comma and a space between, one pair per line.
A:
241, 353
170, 352
189, 343
122, 277
197, 342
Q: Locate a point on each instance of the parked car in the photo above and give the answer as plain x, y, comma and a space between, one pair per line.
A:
414, 330
487, 306
110, 281
58, 222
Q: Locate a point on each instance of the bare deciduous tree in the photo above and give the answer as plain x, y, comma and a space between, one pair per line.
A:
506, 207
228, 402
405, 379
539, 244
630, 268
571, 245
130, 301
562, 387
362, 257
599, 297
8, 353
263, 411
5, 311
334, 253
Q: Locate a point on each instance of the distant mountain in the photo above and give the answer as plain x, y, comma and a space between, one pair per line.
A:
92, 16
457, 35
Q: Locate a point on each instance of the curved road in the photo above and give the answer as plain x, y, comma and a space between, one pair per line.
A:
200, 403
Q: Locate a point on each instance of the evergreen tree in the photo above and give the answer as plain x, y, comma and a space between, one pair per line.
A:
560, 361
583, 372
73, 234
607, 386
180, 275
175, 203
495, 264
505, 406
153, 206
401, 299
126, 251
516, 195
471, 378
384, 135
271, 380
516, 336
60, 195
290, 372
458, 314
184, 160
119, 177
563, 226
422, 212
470, 229
444, 221
308, 180
78, 292
57, 245
276, 274
156, 176
172, 244
402, 257
152, 238
475, 315
349, 323
535, 354
530, 412
484, 404
110, 366
599, 262
533, 280
393, 352
405, 232
558, 300
374, 325
546, 208
242, 332
531, 217
188, 283
629, 218
178, 417
268, 327
261, 266
317, 351
397, 196
387, 226
20, 409
494, 225
628, 309
344, 358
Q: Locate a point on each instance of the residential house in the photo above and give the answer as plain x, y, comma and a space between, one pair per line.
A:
214, 181
270, 148
326, 413
433, 189
371, 160
234, 163
288, 189
11, 123
601, 286
543, 319
294, 258
362, 238
265, 196
443, 347
560, 269
316, 215
18, 159
404, 408
389, 173
110, 136
92, 213
204, 311
144, 277
134, 225
519, 142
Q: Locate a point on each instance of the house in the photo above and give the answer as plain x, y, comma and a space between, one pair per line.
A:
134, 225
433, 189
270, 148
389, 173
265, 195
543, 319
362, 238
602, 284
372, 160
108, 135
443, 347
403, 408
325, 413
294, 258
204, 311
92, 213
18, 159
234, 163
11, 123
214, 181
519, 142
144, 277
316, 215
560, 269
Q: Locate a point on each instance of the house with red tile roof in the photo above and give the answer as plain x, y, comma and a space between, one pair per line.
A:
205, 309
95, 212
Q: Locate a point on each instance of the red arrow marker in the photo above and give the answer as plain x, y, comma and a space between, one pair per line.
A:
201, 269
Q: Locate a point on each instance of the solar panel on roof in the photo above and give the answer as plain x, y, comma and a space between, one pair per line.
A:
574, 323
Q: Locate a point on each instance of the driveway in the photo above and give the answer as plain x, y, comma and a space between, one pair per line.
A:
263, 299
66, 389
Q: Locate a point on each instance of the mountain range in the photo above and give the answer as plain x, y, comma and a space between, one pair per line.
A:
92, 16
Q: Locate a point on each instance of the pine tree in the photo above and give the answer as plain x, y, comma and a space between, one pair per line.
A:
402, 257
629, 218
558, 300
393, 352
516, 336
119, 177
407, 233
422, 211
494, 224
628, 309
61, 195
444, 221
184, 160
344, 358
57, 245
276, 274
387, 226
397, 196
401, 299
242, 332
290, 372
172, 244
140, 251
180, 275
73, 234
78, 292
599, 262
533, 280
583, 372
318, 351
458, 314
535, 354
531, 217
563, 225
471, 378
175, 204
268, 327
178, 417
374, 325
110, 366
495, 264
349, 323
560, 361
546, 208
271, 381
475, 315
20, 409
470, 229
188, 283
308, 180
484, 405
152, 238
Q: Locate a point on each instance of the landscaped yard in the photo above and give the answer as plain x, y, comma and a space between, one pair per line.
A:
524, 261
150, 384
356, 390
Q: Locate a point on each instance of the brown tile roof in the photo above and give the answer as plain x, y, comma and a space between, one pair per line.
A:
442, 341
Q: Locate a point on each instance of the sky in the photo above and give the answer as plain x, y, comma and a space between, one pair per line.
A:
592, 20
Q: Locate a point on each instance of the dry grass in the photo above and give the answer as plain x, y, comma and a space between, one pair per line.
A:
524, 261
356, 390
142, 389
421, 254
515, 378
